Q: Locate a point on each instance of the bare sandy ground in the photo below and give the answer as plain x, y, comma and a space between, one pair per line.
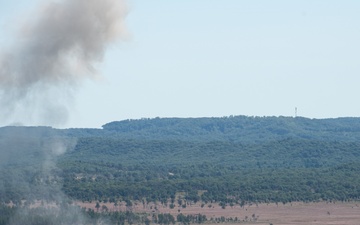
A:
322, 213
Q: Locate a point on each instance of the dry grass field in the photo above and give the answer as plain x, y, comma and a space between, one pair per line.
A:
322, 213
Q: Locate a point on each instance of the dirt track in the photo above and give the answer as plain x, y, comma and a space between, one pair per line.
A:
296, 213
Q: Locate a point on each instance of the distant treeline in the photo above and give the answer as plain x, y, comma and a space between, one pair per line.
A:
69, 214
233, 128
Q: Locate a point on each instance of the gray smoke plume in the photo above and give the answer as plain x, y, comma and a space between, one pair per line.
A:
58, 47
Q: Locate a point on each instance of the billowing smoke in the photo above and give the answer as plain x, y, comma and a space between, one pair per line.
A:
57, 48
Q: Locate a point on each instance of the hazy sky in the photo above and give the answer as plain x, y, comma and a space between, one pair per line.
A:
204, 58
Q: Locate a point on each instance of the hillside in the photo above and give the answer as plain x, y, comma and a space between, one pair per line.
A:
230, 160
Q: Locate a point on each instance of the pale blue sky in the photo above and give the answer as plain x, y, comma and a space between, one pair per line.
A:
204, 58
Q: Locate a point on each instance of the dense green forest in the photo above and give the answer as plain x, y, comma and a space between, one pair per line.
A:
284, 170
230, 160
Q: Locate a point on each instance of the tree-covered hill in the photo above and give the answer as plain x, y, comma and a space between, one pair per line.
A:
230, 160
238, 128
232, 128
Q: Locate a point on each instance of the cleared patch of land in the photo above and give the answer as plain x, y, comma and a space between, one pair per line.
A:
320, 213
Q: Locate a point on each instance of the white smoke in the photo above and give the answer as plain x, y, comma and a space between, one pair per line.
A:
57, 48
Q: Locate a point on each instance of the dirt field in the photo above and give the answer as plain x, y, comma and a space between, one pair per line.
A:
296, 213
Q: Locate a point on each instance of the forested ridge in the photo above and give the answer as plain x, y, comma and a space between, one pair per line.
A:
230, 160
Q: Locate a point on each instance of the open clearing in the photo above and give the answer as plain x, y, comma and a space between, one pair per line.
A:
321, 213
